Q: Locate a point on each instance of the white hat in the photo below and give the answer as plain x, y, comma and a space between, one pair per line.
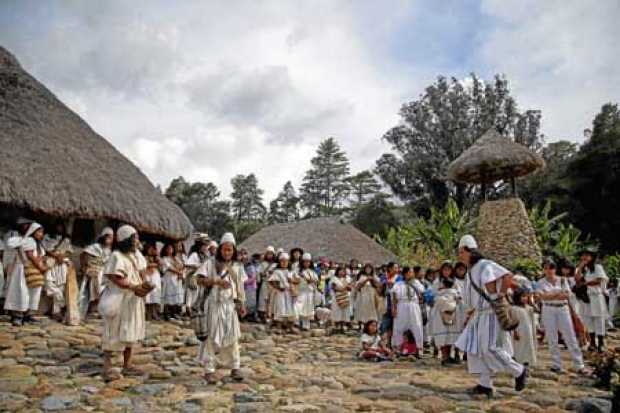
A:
228, 237
469, 242
33, 228
203, 236
106, 231
213, 244
125, 232
283, 256
271, 249
306, 257
280, 251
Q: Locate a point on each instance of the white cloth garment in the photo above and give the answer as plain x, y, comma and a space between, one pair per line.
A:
488, 347
408, 315
596, 315
442, 334
223, 322
194, 261
153, 275
172, 285
613, 305
263, 279
18, 296
283, 306
304, 304
525, 346
339, 314
129, 326
365, 307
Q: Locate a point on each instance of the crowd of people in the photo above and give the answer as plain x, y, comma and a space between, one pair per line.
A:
473, 310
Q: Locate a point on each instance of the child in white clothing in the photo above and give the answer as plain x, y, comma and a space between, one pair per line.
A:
524, 336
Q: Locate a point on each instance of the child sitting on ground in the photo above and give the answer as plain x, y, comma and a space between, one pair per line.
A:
408, 346
373, 348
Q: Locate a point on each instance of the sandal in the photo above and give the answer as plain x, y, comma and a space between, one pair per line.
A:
111, 375
236, 375
210, 378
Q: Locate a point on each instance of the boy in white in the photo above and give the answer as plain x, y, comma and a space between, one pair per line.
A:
488, 347
284, 311
596, 314
224, 276
554, 293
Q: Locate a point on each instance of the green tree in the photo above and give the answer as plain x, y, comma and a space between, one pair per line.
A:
201, 203
247, 198
435, 129
285, 208
375, 217
325, 187
363, 186
594, 181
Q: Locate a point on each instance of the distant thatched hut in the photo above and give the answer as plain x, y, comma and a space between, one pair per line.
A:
322, 237
54, 166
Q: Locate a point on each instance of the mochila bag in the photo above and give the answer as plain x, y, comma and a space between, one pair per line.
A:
501, 307
342, 299
199, 321
110, 302
34, 277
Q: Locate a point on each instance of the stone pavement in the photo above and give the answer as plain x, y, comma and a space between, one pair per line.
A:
53, 367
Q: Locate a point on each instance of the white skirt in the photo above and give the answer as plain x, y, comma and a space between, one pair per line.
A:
408, 317
172, 290
340, 314
442, 334
304, 305
283, 307
18, 296
128, 327
154, 297
365, 308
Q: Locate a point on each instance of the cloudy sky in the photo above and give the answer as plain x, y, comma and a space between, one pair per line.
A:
210, 89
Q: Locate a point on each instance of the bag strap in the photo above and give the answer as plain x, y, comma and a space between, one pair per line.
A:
479, 290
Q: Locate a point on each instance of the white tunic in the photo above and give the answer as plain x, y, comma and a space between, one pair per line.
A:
172, 285
365, 294
129, 326
525, 346
483, 335
598, 305
408, 315
283, 306
304, 304
154, 277
263, 280
193, 263
444, 335
339, 314
18, 296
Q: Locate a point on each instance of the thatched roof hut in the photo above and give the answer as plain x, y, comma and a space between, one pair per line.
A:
322, 237
492, 158
54, 164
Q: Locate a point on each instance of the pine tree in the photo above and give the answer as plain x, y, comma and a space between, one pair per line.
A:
285, 208
247, 198
362, 187
325, 186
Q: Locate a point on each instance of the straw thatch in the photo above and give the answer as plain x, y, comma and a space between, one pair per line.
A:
492, 158
322, 237
54, 163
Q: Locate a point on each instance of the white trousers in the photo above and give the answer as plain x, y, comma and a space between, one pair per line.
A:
557, 319
228, 357
482, 362
595, 325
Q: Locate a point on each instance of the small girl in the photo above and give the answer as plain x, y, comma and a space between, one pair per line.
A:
408, 346
284, 313
372, 346
524, 336
341, 299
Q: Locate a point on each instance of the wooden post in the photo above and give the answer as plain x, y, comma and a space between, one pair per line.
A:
513, 182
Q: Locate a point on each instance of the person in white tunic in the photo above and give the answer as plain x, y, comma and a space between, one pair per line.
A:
198, 254
26, 275
172, 284
460, 274
57, 247
284, 312
595, 278
554, 292
524, 336
295, 255
366, 296
93, 260
406, 299
152, 275
122, 310
444, 327
307, 287
612, 293
266, 269
341, 298
488, 347
224, 277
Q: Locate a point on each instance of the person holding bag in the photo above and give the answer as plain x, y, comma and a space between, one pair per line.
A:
487, 344
122, 304
554, 293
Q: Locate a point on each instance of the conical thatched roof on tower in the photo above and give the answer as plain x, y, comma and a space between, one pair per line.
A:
53, 163
494, 157
322, 237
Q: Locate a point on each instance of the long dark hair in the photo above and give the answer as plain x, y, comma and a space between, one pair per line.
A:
165, 248
475, 256
198, 244
220, 258
367, 324
565, 263
126, 245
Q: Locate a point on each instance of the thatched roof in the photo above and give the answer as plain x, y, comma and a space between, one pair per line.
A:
492, 158
54, 163
321, 237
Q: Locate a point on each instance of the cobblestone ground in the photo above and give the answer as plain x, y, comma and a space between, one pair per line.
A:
52, 367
